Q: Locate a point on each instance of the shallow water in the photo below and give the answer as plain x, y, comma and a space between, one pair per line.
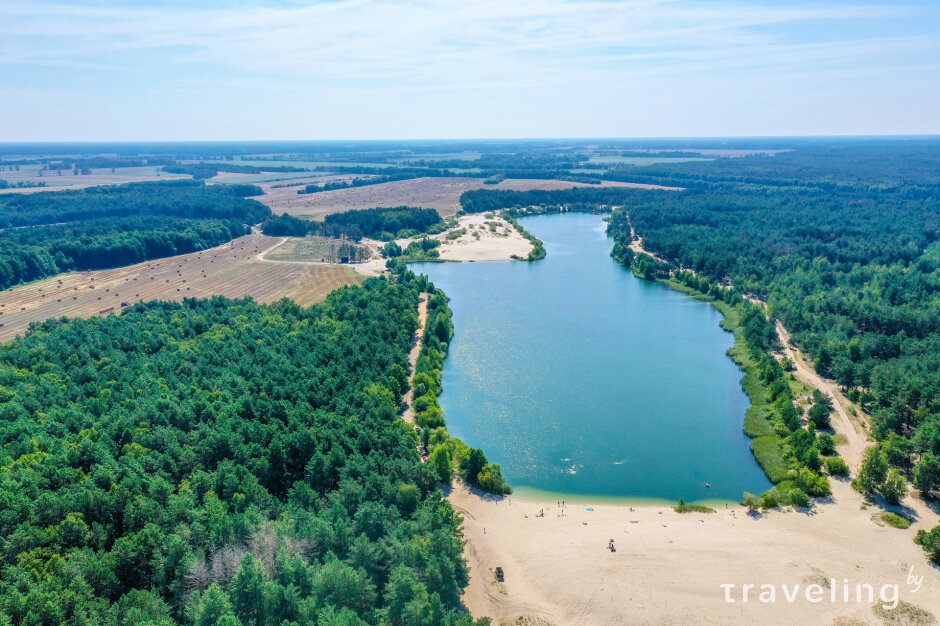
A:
579, 378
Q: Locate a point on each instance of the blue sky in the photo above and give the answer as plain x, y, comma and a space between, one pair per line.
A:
367, 69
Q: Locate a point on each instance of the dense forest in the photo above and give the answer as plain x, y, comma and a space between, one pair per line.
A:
380, 223
183, 198
224, 462
848, 165
48, 233
40, 251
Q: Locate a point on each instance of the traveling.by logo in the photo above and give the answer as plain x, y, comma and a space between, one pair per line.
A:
836, 591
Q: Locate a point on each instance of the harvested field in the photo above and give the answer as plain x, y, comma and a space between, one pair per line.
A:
231, 270
98, 176
313, 249
442, 194
613, 161
283, 199
713, 152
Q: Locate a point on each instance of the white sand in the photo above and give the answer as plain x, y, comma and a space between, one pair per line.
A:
498, 245
668, 566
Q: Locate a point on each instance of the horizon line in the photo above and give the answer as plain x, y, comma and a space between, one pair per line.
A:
484, 139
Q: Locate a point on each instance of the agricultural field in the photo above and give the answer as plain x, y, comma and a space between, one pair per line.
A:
313, 249
233, 270
282, 199
715, 152
312, 164
98, 176
442, 194
440, 156
640, 161
252, 179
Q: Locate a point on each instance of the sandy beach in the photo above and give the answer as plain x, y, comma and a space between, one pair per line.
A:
668, 567
498, 244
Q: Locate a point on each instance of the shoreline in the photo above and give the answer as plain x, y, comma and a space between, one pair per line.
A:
542, 496
557, 568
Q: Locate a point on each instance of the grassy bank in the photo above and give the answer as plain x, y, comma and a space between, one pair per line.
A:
766, 445
788, 450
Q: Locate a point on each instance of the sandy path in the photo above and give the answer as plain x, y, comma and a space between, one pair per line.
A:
408, 399
264, 252
856, 436
668, 567
637, 245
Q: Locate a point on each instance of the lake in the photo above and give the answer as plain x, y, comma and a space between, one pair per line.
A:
581, 379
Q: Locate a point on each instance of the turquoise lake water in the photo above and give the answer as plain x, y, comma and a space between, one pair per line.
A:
581, 379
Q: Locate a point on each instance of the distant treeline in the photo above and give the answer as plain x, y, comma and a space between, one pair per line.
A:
413, 172
105, 162
202, 171
381, 223
183, 198
529, 161
575, 199
565, 175
40, 251
20, 184
886, 166
356, 182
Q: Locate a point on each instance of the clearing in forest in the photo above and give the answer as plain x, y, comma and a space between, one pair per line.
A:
232, 269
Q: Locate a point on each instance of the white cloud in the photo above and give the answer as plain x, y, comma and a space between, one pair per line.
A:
353, 39
457, 55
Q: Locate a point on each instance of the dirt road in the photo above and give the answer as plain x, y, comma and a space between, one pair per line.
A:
408, 400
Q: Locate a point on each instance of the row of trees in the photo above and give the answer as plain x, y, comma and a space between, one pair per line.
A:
204, 170
588, 199
378, 179
183, 198
380, 223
